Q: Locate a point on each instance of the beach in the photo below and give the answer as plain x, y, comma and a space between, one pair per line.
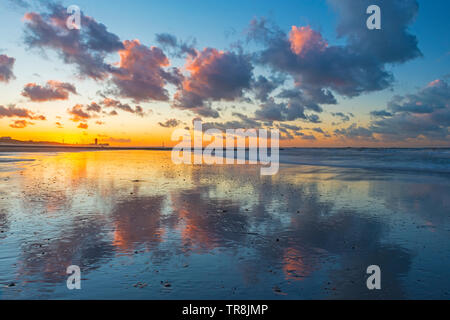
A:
141, 227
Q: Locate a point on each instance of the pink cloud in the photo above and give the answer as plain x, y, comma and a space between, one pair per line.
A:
141, 74
53, 90
12, 111
303, 39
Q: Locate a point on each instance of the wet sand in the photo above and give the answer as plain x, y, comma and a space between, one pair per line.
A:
141, 227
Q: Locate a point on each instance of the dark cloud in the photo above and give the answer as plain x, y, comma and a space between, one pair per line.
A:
425, 114
292, 105
263, 87
421, 115
314, 118
380, 114
94, 107
393, 43
287, 111
358, 66
289, 126
186, 100
214, 76
319, 67
242, 122
433, 97
171, 123
297, 96
141, 74
175, 47
246, 121
342, 116
111, 103
410, 126
6, 68
12, 111
318, 129
273, 111
79, 113
308, 137
53, 90
355, 132
285, 134
86, 48
405, 126
288, 132
82, 113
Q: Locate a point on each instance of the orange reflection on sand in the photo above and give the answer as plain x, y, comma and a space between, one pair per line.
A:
294, 267
195, 228
137, 223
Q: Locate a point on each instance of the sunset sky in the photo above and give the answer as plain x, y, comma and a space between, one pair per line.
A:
137, 70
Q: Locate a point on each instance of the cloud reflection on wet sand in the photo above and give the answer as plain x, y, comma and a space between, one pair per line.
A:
218, 231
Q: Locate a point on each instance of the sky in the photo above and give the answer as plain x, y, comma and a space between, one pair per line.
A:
137, 70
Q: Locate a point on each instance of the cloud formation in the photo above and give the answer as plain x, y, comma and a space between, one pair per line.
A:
20, 124
6, 68
174, 46
355, 132
380, 114
242, 122
317, 67
53, 90
214, 76
307, 70
293, 107
85, 48
11, 112
417, 116
393, 43
357, 67
111, 103
171, 123
141, 74
80, 113
262, 87
424, 114
343, 117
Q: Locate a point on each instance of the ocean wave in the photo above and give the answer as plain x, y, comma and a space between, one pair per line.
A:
418, 160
